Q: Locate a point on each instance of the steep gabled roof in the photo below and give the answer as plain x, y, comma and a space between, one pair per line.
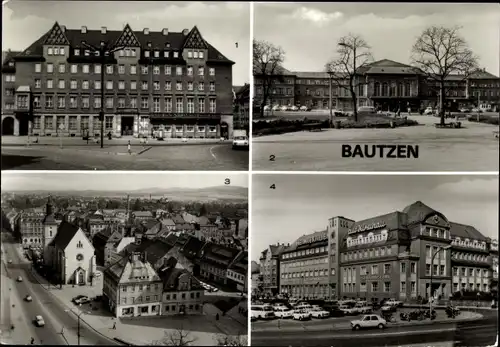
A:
56, 36
194, 40
170, 277
65, 234
418, 212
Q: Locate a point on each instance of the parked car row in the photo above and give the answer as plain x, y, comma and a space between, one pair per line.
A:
297, 310
286, 108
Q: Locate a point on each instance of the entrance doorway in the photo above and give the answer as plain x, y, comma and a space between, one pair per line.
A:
8, 126
81, 277
23, 127
127, 125
224, 130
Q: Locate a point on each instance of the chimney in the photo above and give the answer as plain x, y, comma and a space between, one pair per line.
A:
146, 31
84, 30
185, 32
103, 30
164, 31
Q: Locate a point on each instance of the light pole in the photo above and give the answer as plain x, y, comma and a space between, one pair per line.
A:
432, 271
78, 322
331, 98
103, 51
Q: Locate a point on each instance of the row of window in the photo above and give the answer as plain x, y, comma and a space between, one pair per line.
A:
84, 102
367, 253
183, 296
470, 271
85, 68
312, 273
305, 252
374, 287
469, 256
179, 85
303, 263
139, 287
469, 243
366, 239
463, 286
135, 300
436, 232
437, 270
127, 52
435, 254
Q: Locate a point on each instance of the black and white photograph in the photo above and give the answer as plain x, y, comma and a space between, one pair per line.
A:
136, 85
126, 260
374, 260
360, 86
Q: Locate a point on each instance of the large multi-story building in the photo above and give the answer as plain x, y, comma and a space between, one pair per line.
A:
385, 84
173, 82
270, 268
402, 254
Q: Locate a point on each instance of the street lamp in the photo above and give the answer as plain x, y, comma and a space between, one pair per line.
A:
78, 326
330, 73
103, 51
432, 271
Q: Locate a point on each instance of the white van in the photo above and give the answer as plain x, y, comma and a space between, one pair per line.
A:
283, 312
262, 311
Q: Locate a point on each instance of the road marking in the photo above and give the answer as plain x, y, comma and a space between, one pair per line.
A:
212, 153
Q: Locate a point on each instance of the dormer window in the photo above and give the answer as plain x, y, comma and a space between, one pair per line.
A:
146, 54
166, 54
146, 31
190, 54
87, 53
176, 54
84, 30
77, 52
167, 44
157, 54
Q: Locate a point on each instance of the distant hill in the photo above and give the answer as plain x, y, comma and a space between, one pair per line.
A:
208, 193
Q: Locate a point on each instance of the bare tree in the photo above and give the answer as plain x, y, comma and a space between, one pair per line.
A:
353, 55
178, 337
440, 52
267, 67
230, 340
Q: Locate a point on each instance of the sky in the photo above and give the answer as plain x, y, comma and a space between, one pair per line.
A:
221, 24
302, 204
117, 181
308, 32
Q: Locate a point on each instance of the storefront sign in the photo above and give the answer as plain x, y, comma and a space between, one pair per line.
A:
366, 227
312, 239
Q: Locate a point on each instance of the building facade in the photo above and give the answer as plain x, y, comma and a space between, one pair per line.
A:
304, 267
182, 293
270, 268
132, 288
173, 83
384, 84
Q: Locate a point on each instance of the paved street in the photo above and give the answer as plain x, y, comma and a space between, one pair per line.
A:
472, 148
75, 154
481, 332
45, 304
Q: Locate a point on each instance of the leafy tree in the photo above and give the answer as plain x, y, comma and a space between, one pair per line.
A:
440, 52
353, 55
137, 205
267, 68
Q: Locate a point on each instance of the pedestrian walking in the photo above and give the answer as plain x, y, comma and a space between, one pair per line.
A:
129, 148
408, 107
32, 341
114, 325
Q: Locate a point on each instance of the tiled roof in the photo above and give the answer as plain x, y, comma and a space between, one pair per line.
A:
8, 57
192, 247
143, 214
177, 219
116, 269
483, 74
277, 249
65, 233
156, 40
167, 222
391, 220
465, 231
418, 212
170, 277
49, 219
240, 263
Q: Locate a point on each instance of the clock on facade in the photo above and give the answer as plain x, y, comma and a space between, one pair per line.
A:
79, 257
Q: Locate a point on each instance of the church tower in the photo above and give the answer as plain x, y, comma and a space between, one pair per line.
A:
49, 224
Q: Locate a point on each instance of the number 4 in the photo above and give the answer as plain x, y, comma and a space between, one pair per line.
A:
273, 186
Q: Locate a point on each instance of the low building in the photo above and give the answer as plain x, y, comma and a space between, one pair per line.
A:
142, 215
70, 255
132, 288
182, 293
237, 272
214, 262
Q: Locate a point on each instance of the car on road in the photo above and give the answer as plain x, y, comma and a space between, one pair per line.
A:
80, 299
301, 315
429, 110
304, 108
369, 321
394, 302
262, 311
389, 308
318, 312
464, 110
477, 110
283, 312
28, 298
294, 108
349, 310
19, 279
284, 108
363, 307
276, 108
240, 139
267, 108
39, 322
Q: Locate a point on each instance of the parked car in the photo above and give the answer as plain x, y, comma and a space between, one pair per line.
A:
394, 302
349, 310
276, 107
39, 322
318, 312
464, 110
429, 110
284, 108
9, 261
369, 321
363, 307
283, 312
19, 279
267, 108
28, 298
389, 308
262, 311
304, 108
477, 110
294, 108
334, 311
301, 315
80, 299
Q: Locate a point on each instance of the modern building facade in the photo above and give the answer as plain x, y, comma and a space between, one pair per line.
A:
384, 84
409, 254
169, 84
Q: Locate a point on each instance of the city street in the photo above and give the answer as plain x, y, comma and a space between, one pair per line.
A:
75, 154
481, 332
44, 303
472, 148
